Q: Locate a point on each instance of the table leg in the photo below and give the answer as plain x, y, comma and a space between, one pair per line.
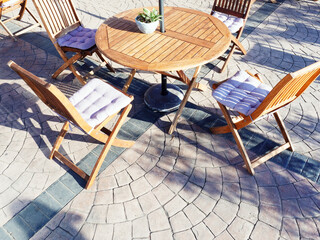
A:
187, 81
184, 101
183, 78
126, 86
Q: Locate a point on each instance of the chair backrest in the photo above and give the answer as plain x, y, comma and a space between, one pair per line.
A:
51, 96
58, 16
288, 89
237, 8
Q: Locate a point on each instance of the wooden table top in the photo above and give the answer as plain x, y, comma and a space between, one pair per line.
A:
192, 38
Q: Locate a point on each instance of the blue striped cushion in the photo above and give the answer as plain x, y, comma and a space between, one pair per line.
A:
242, 93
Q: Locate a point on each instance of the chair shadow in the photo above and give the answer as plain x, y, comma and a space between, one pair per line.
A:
20, 110
255, 143
122, 24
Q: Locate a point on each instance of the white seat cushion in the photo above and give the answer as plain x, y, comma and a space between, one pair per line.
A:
80, 38
232, 22
97, 100
242, 93
9, 3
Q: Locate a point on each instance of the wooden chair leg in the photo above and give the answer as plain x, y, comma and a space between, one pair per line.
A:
235, 43
66, 64
103, 60
107, 146
237, 138
7, 30
183, 78
228, 58
220, 129
55, 153
184, 101
69, 63
34, 18
22, 9
61, 136
129, 80
29, 28
283, 130
239, 44
77, 74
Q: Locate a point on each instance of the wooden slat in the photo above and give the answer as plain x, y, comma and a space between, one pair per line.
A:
191, 54
199, 27
70, 12
129, 39
166, 52
203, 30
209, 32
191, 38
191, 24
184, 52
149, 45
212, 35
123, 38
63, 17
125, 32
170, 16
48, 18
183, 21
55, 16
134, 42
172, 21
233, 5
156, 55
117, 24
144, 44
201, 52
153, 47
217, 38
176, 52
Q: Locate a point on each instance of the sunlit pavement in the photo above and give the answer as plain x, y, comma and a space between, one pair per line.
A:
190, 185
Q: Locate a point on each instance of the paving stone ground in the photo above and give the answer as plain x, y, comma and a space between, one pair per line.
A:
187, 186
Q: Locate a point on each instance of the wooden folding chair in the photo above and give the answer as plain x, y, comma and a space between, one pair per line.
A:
252, 99
234, 14
90, 109
7, 6
67, 34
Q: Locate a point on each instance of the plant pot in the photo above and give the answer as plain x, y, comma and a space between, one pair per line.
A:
147, 27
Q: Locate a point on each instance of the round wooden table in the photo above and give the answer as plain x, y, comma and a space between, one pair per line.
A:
192, 38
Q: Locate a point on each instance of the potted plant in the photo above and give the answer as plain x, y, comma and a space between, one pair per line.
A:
148, 21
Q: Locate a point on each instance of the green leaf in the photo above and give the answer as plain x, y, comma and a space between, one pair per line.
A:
146, 11
148, 16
